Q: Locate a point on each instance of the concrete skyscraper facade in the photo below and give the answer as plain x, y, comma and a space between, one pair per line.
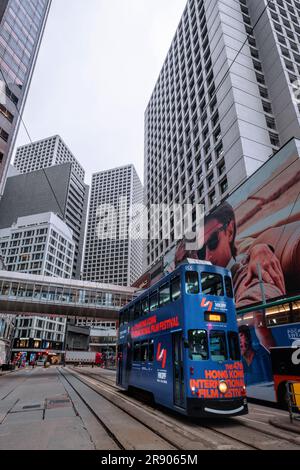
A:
39, 244
41, 164
222, 105
110, 255
44, 154
21, 29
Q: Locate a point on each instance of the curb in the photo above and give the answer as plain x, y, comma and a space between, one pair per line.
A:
287, 426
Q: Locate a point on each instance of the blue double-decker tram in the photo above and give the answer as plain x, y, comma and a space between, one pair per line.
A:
179, 341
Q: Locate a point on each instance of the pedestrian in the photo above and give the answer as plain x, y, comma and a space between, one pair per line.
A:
104, 360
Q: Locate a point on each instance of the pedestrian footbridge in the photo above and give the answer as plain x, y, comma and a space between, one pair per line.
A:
32, 294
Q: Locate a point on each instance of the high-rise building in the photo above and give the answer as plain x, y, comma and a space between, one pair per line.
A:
222, 105
21, 29
44, 154
51, 180
38, 244
111, 256
38, 337
7, 323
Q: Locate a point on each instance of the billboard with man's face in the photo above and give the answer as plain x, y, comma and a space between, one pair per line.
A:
256, 232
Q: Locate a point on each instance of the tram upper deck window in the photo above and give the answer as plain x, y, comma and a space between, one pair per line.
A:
164, 294
145, 306
228, 287
234, 346
153, 301
137, 310
198, 345
217, 343
212, 284
192, 282
131, 313
175, 288
124, 317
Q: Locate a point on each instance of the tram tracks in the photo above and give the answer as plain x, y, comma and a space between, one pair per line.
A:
153, 438
237, 431
177, 435
98, 419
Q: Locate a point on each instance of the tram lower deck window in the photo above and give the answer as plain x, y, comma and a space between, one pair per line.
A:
151, 350
198, 345
144, 351
217, 343
137, 352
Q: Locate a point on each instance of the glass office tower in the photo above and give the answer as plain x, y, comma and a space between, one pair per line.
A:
22, 25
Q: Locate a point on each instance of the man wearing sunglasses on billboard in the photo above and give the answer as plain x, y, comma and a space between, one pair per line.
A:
220, 249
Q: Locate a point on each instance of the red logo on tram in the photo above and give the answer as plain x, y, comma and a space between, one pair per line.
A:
161, 355
207, 304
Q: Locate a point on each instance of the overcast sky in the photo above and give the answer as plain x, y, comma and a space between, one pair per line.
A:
95, 73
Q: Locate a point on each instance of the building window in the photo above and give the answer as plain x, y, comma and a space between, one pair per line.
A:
274, 139
219, 150
4, 135
223, 186
212, 198
270, 122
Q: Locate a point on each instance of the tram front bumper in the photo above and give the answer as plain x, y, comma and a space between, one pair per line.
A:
216, 408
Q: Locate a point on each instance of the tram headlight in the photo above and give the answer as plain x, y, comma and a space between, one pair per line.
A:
223, 387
